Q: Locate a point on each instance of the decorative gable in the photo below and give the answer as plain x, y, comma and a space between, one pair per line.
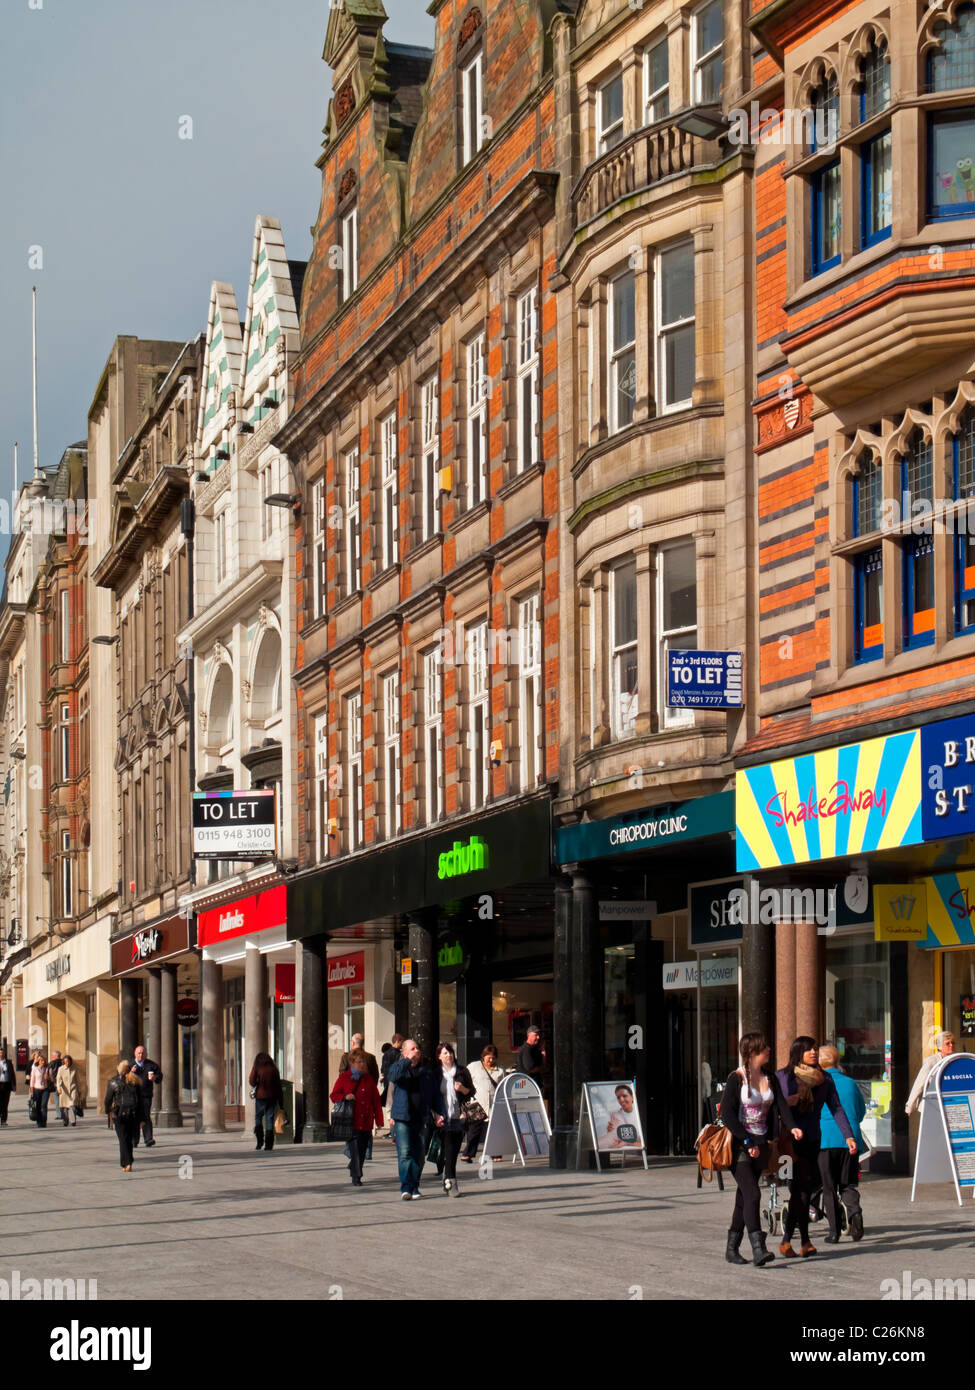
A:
271, 324
221, 376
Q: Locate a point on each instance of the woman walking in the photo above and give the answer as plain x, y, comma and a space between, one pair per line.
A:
839, 1169
40, 1091
69, 1092
807, 1089
485, 1075
751, 1093
123, 1105
456, 1086
265, 1082
357, 1083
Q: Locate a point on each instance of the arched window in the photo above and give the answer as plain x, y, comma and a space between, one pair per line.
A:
824, 103
875, 80
868, 569
266, 685
952, 64
963, 487
917, 470
917, 486
867, 490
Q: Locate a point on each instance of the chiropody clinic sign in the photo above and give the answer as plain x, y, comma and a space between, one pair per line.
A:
851, 800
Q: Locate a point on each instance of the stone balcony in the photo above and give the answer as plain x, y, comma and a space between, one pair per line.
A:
647, 157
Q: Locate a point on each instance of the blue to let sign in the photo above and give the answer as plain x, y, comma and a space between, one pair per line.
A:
704, 680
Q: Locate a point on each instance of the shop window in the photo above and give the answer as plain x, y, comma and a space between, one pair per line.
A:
676, 618
952, 64
390, 502
656, 83
622, 351
529, 691
675, 327
353, 537
349, 281
858, 1024
391, 755
609, 114
430, 456
963, 489
623, 654
875, 79
432, 736
951, 163
528, 442
876, 189
478, 728
472, 90
868, 605
707, 36
353, 735
477, 421
826, 218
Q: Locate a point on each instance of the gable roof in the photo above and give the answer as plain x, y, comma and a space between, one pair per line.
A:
271, 321
221, 367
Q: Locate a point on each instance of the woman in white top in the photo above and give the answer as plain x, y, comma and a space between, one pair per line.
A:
456, 1087
485, 1074
39, 1075
945, 1044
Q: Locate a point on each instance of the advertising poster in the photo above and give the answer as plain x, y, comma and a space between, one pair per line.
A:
609, 1121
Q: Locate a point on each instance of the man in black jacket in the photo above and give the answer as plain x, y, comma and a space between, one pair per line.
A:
8, 1083
148, 1073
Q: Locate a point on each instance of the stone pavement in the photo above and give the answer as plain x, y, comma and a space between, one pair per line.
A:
240, 1224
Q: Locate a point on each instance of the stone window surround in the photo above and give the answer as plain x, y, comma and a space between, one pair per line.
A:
940, 426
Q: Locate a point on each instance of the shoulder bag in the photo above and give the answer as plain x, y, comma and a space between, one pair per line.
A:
343, 1115
714, 1147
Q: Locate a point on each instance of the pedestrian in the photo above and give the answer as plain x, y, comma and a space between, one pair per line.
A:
807, 1089
8, 1083
123, 1106
148, 1073
753, 1108
531, 1058
54, 1066
945, 1045
486, 1074
358, 1083
456, 1087
268, 1093
416, 1100
68, 1091
39, 1090
391, 1054
372, 1066
838, 1167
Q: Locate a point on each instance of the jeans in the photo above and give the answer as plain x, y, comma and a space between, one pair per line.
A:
128, 1136
410, 1153
264, 1114
43, 1099
839, 1169
747, 1174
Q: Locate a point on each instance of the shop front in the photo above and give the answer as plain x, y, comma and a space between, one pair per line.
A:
245, 938
73, 1005
446, 935
157, 967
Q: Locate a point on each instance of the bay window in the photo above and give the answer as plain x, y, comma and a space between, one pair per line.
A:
707, 36
623, 650
622, 351
676, 618
674, 329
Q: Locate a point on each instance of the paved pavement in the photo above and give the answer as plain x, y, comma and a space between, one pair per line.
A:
204, 1216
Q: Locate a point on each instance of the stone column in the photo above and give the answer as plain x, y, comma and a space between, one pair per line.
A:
808, 983
587, 975
129, 1021
423, 1011
255, 1021
169, 1116
562, 1153
785, 991
153, 1041
756, 976
314, 1062
212, 1081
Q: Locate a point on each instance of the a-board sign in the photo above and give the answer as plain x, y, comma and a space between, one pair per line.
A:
946, 1139
609, 1121
519, 1122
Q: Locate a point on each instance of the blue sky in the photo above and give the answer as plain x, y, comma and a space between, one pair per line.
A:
134, 223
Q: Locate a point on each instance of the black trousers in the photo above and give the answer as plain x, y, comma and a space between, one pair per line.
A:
357, 1152
475, 1133
747, 1174
802, 1185
4, 1103
840, 1172
146, 1118
452, 1140
128, 1134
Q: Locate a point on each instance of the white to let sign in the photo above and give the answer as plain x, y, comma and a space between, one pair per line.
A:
234, 825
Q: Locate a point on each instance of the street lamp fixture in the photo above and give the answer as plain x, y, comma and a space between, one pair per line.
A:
283, 499
105, 641
706, 122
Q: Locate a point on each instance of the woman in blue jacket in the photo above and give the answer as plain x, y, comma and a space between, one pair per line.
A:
807, 1090
838, 1167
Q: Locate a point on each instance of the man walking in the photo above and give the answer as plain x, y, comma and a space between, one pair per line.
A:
392, 1054
359, 1044
8, 1083
55, 1067
148, 1073
531, 1059
416, 1100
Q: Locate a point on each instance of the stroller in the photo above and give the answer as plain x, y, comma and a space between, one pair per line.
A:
774, 1211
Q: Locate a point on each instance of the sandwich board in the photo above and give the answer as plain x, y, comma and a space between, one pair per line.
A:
946, 1139
519, 1122
609, 1122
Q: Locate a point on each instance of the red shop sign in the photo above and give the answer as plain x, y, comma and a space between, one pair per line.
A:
284, 984
346, 970
243, 917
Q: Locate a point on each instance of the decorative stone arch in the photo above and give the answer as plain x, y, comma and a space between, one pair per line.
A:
266, 675
870, 35
812, 77
847, 468
948, 423
896, 446
934, 22
217, 721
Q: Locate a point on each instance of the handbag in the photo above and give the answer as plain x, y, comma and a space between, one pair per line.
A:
280, 1121
472, 1112
714, 1148
343, 1115
33, 1108
435, 1149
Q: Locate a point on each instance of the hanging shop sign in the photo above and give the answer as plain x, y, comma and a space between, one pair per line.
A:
609, 1121
946, 1138
244, 917
704, 680
646, 830
900, 912
948, 791
842, 801
149, 946
234, 825
346, 970
188, 1013
284, 983
950, 902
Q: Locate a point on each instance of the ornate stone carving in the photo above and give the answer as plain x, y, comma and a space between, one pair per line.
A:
349, 181
470, 26
344, 101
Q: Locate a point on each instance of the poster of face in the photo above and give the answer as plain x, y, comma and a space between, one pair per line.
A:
615, 1116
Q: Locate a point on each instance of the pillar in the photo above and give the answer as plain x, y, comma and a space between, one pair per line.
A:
153, 1039
56, 1026
212, 1083
255, 1021
756, 975
785, 991
587, 1014
129, 1005
314, 1063
423, 1002
168, 1116
808, 981
562, 1154
106, 1037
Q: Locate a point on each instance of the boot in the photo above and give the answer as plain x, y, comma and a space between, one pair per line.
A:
761, 1255
732, 1248
259, 1135
269, 1141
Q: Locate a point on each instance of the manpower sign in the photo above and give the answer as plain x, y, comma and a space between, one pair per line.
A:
852, 800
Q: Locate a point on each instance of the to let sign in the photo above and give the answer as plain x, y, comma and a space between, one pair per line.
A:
704, 680
234, 825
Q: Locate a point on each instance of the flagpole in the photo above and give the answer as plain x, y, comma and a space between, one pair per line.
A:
34, 339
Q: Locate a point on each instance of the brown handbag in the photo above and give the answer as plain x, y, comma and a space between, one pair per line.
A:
714, 1148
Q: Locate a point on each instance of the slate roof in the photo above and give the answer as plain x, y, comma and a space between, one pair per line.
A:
408, 70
